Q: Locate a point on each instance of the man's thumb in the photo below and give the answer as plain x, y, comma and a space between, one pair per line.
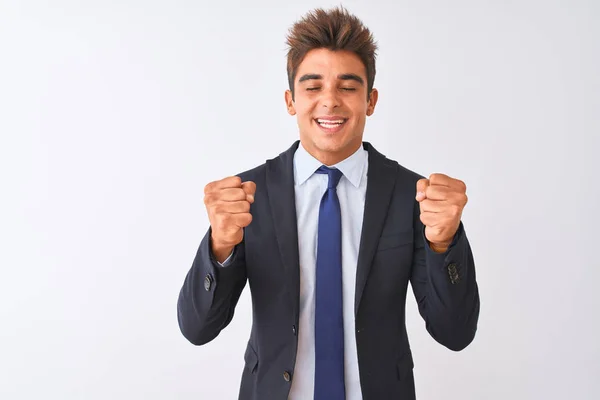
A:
422, 185
250, 188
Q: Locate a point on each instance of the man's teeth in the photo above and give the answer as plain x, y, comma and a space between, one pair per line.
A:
330, 123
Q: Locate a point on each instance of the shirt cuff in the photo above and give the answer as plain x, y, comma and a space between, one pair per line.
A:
227, 260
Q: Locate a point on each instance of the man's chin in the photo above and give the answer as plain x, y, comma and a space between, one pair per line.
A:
335, 145
330, 144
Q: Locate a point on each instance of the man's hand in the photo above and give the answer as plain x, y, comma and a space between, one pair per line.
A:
441, 199
228, 202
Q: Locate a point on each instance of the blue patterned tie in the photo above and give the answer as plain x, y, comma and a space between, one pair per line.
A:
329, 320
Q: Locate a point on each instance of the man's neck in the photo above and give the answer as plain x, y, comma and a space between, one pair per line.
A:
331, 158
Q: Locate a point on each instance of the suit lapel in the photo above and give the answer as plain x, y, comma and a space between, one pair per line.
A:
380, 184
282, 200
280, 189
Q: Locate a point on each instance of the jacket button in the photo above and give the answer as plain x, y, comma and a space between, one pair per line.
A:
208, 280
294, 329
287, 376
454, 278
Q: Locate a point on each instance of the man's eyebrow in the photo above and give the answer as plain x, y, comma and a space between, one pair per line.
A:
351, 77
343, 77
308, 77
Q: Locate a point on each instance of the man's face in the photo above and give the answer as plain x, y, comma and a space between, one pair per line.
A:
331, 103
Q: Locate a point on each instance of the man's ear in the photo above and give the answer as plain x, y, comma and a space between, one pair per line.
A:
372, 102
289, 102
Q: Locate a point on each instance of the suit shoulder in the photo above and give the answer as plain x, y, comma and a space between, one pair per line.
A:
253, 174
404, 173
407, 172
258, 173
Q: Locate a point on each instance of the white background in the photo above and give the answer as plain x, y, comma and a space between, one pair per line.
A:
115, 114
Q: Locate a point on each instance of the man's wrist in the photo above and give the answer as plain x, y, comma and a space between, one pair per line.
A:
440, 247
221, 253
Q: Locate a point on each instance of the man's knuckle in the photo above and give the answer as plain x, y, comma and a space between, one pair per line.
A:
456, 209
219, 209
236, 181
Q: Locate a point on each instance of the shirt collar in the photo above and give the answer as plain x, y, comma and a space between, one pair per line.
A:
352, 167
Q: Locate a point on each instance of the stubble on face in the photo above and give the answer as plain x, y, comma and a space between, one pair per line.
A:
331, 104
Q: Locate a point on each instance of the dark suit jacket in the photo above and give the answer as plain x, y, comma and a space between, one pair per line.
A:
393, 252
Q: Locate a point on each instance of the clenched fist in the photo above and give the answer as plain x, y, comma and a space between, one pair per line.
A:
228, 202
441, 199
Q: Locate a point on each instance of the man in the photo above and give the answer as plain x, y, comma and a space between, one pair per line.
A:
328, 235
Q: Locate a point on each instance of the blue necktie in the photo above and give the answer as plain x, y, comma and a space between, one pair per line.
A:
329, 320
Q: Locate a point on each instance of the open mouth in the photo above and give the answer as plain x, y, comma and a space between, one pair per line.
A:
331, 124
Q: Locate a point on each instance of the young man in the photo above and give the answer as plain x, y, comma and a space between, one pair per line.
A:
328, 235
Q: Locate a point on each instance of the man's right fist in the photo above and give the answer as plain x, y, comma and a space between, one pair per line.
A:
228, 202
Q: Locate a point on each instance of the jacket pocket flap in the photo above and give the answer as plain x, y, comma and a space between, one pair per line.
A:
395, 239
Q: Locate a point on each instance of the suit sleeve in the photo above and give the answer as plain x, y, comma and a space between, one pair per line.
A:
210, 293
445, 288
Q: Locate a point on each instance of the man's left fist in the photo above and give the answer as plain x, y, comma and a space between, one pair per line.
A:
441, 199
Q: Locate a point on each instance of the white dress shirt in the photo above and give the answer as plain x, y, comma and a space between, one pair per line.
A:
309, 188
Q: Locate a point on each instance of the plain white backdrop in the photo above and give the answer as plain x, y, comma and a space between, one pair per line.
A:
115, 114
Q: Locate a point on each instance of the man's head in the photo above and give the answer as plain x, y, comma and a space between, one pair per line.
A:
331, 71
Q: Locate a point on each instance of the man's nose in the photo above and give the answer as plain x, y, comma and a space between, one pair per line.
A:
330, 98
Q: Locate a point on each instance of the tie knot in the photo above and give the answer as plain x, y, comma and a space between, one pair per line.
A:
334, 176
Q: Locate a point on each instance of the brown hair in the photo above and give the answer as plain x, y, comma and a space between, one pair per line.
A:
334, 29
